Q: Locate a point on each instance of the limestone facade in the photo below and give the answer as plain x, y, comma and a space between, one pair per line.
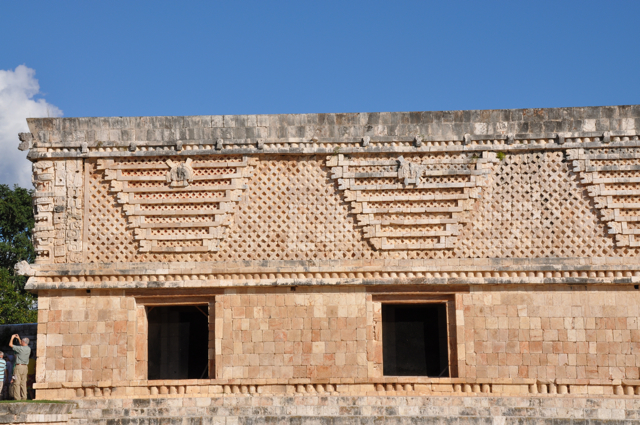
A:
292, 232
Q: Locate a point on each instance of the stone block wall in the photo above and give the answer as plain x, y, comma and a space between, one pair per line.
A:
555, 333
316, 335
141, 343
85, 337
309, 333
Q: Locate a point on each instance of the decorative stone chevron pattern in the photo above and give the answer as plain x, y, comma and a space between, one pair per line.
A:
413, 203
58, 205
612, 179
177, 205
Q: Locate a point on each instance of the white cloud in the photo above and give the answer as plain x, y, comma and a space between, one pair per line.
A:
17, 89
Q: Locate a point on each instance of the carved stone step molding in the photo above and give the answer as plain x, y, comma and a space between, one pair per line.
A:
612, 179
175, 205
413, 203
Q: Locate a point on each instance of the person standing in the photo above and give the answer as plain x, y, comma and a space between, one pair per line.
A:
20, 369
8, 376
3, 368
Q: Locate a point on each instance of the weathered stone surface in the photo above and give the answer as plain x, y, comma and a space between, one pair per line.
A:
294, 230
35, 413
359, 410
23, 269
333, 128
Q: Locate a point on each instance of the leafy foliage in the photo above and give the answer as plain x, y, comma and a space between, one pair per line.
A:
16, 226
16, 305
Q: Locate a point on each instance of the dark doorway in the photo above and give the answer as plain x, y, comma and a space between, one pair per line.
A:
178, 342
414, 340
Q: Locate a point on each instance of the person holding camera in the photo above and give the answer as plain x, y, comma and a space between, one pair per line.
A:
20, 370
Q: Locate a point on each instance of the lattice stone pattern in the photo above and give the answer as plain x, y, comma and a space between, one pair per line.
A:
532, 205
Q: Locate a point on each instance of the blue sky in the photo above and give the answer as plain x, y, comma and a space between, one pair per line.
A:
123, 58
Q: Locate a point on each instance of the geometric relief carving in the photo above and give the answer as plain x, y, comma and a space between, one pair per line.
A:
58, 205
535, 207
415, 203
44, 231
612, 179
177, 205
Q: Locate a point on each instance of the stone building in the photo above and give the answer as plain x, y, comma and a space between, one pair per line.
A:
466, 253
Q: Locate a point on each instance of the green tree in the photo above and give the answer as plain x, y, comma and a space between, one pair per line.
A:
16, 226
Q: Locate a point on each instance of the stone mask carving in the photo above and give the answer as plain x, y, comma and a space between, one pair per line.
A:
409, 172
180, 174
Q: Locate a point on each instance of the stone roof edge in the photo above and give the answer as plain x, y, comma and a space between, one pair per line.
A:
351, 118
324, 133
337, 266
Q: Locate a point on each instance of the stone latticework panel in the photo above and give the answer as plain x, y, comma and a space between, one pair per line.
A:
415, 203
535, 207
532, 206
612, 179
293, 211
108, 237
